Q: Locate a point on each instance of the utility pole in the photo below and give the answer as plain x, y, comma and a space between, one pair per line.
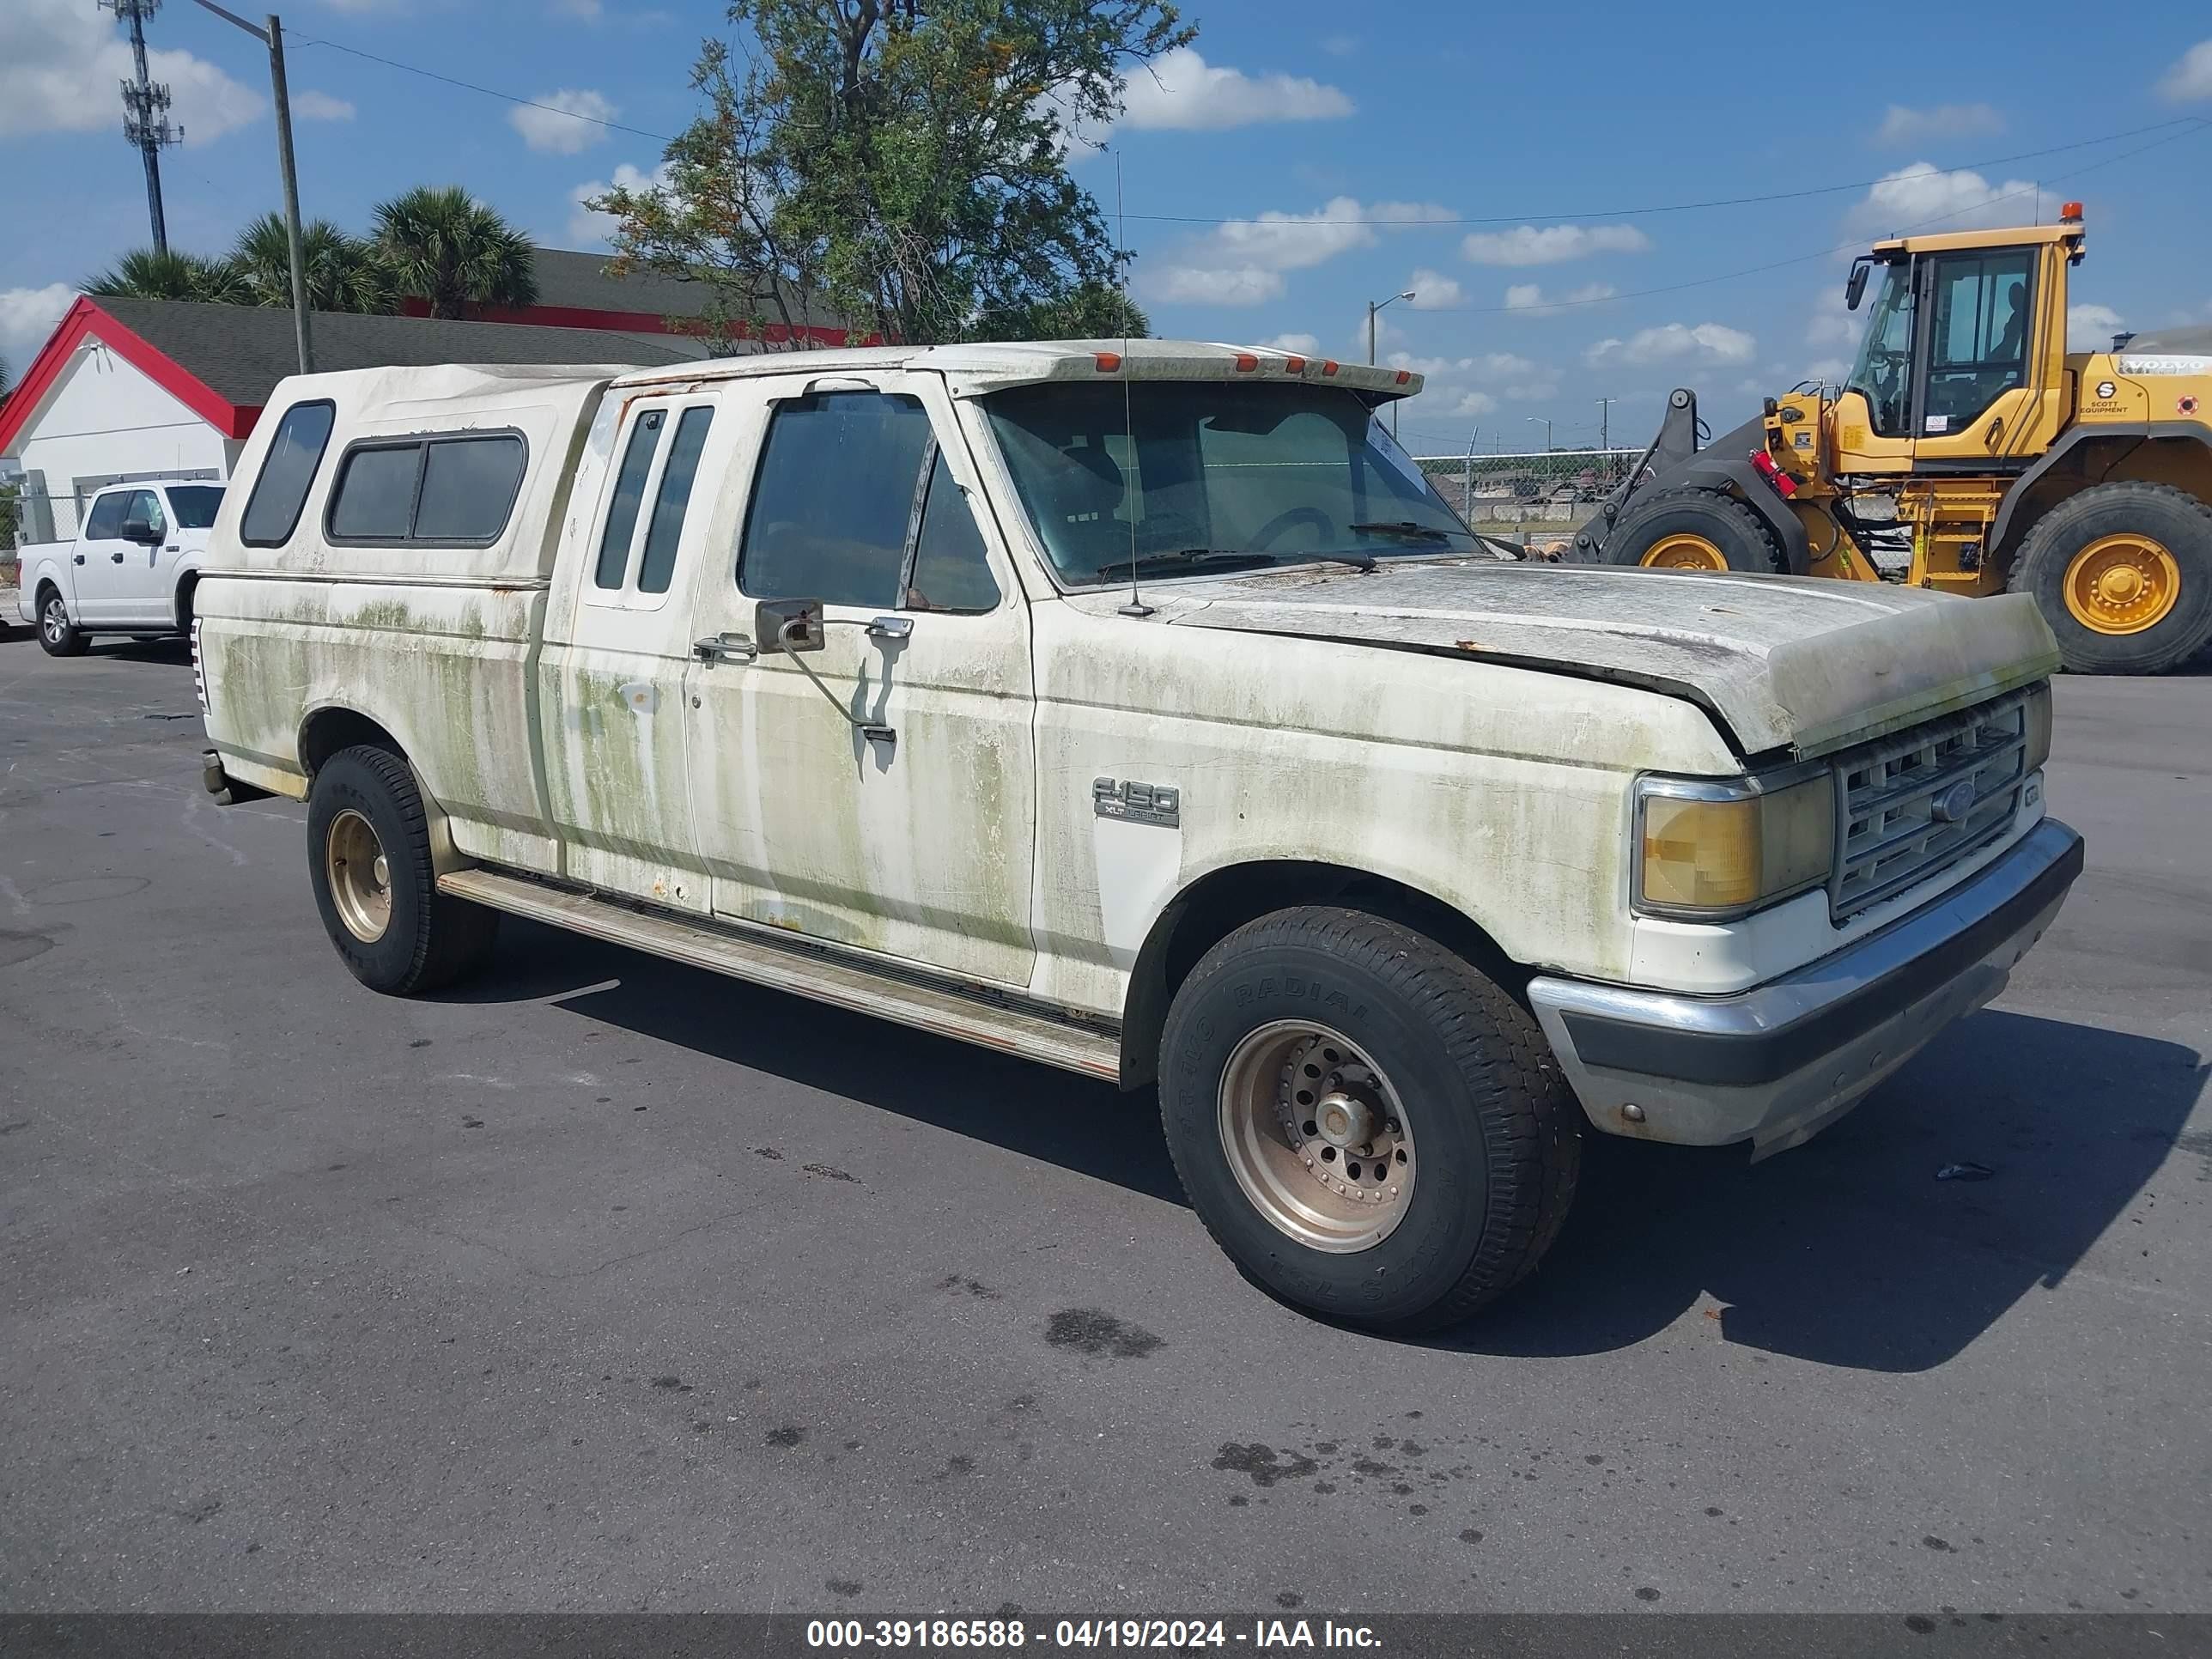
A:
1544, 421
273, 38
1605, 421
146, 125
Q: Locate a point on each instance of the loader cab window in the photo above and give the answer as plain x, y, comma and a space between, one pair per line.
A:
1979, 336
1884, 369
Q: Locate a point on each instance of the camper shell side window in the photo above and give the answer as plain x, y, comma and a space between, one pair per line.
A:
454, 488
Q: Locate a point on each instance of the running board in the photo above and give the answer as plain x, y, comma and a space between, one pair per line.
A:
807, 969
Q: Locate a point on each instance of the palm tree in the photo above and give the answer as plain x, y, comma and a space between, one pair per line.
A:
343, 272
144, 274
448, 248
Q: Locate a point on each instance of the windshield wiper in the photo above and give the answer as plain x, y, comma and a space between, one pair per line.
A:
1188, 558
1406, 527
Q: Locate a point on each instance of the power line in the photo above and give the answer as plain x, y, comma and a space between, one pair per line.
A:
1857, 243
1670, 207
488, 92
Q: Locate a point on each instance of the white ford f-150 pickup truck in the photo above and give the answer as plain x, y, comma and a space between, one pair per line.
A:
1139, 708
130, 570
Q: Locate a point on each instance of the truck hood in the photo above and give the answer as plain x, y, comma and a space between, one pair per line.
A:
1784, 664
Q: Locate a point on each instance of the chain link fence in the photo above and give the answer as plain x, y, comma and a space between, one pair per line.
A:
1541, 496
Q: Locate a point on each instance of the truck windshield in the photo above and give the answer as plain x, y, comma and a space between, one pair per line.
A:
1884, 369
194, 505
1185, 474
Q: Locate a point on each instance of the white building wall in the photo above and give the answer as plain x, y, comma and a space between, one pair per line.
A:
107, 417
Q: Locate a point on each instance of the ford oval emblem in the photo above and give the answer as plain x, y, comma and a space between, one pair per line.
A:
1955, 803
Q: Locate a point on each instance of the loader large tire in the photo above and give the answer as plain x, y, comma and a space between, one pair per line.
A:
1694, 529
2122, 572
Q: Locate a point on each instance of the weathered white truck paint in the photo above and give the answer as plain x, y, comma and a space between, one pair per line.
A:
1033, 822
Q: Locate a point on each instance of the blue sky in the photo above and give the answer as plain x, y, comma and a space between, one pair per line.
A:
1559, 128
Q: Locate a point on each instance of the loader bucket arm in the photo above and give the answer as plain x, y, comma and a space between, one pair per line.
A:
1676, 442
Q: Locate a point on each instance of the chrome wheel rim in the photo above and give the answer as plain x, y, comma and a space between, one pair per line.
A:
1316, 1137
53, 621
360, 875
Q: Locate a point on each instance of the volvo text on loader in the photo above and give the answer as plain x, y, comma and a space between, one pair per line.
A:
1969, 452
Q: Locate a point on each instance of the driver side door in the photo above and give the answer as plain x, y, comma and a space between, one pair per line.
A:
876, 791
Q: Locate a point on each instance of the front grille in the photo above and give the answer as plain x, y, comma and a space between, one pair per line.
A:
1896, 799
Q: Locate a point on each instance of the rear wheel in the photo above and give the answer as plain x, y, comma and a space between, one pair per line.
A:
1371, 1130
58, 636
1693, 529
2122, 572
369, 858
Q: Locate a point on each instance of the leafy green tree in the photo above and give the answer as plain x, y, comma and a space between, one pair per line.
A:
902, 163
144, 274
343, 272
1095, 310
445, 247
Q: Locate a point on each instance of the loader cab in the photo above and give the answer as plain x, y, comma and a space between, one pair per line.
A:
1962, 366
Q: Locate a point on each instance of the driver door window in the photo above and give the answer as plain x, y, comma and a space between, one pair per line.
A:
1977, 335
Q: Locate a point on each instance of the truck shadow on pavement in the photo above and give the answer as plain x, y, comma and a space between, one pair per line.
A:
1847, 1251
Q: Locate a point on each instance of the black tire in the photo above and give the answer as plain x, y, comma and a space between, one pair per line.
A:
1496, 1133
58, 636
430, 938
2177, 520
1739, 534
184, 589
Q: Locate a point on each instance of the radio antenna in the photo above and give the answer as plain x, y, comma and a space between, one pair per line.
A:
1136, 607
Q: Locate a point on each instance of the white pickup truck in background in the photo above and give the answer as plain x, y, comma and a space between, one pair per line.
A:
1138, 709
130, 570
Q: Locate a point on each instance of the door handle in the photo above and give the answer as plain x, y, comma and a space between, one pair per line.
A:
891, 628
117, 557
725, 648
80, 558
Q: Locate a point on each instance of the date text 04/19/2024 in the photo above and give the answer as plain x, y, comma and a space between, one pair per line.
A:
1264, 1634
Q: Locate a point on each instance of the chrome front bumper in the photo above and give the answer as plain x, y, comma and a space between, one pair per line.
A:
1775, 1064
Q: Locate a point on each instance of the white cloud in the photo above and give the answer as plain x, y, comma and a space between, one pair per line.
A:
1924, 192
61, 62
1180, 92
1704, 343
1529, 296
1828, 371
1902, 126
1242, 264
1298, 345
1832, 324
1340, 46
27, 315
2191, 77
1527, 245
563, 134
585, 228
588, 10
2091, 328
321, 106
1476, 385
1432, 292
1199, 285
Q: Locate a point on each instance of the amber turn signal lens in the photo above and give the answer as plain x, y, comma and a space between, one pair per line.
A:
1720, 849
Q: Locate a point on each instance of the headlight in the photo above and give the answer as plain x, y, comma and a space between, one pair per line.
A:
2037, 717
1709, 850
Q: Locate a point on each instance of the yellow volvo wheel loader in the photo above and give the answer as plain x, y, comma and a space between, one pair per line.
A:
1968, 451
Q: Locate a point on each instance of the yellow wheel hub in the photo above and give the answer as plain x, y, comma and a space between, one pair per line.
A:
1684, 552
2122, 584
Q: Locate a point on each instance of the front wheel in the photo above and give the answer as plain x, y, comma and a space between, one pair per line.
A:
369, 858
58, 636
1370, 1130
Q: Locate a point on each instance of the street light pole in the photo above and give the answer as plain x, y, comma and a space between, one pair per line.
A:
1605, 421
273, 38
1545, 421
1373, 305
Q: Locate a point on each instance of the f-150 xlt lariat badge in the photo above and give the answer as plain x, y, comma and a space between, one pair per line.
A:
1137, 803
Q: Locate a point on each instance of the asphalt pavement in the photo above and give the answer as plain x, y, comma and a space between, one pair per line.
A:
602, 1284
